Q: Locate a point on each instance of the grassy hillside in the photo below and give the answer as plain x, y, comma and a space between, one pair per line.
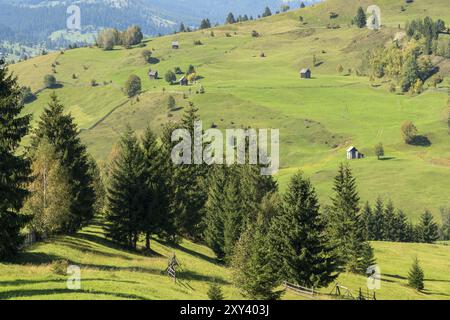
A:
108, 272
318, 119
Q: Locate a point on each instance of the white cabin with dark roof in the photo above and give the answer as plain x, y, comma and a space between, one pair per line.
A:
353, 153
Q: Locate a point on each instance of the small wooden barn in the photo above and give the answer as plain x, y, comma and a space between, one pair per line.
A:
184, 81
353, 153
153, 74
305, 73
175, 45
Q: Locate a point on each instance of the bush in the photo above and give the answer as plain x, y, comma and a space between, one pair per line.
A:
59, 267
147, 55
133, 86
409, 132
171, 103
170, 77
255, 34
197, 43
215, 292
49, 81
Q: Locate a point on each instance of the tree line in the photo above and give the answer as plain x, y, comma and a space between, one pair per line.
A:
110, 37
382, 222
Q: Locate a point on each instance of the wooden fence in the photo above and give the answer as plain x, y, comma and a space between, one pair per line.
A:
308, 292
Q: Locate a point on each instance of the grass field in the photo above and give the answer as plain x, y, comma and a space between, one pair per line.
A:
318, 119
109, 272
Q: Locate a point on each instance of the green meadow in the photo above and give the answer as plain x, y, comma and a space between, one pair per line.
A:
318, 120
109, 272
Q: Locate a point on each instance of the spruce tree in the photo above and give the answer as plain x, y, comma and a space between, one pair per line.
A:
230, 19
62, 133
126, 192
416, 276
298, 238
389, 222
267, 12
253, 267
170, 232
361, 18
233, 215
428, 229
401, 227
244, 191
378, 224
14, 168
155, 219
345, 224
445, 228
215, 292
190, 193
367, 218
214, 218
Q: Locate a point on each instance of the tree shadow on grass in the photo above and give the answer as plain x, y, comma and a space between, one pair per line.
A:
386, 158
395, 276
153, 60
190, 252
421, 141
32, 258
38, 292
87, 249
21, 282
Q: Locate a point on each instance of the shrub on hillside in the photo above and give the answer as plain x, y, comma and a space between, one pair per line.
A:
49, 81
133, 86
59, 267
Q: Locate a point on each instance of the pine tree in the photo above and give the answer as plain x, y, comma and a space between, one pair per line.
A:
428, 229
378, 225
367, 218
155, 219
126, 195
49, 200
244, 191
267, 12
346, 227
62, 133
445, 228
233, 214
170, 232
298, 238
389, 222
215, 292
253, 263
230, 19
190, 193
214, 219
401, 227
14, 168
361, 18
205, 24
98, 184
416, 276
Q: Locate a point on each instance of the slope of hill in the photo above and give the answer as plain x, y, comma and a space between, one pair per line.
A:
318, 119
109, 272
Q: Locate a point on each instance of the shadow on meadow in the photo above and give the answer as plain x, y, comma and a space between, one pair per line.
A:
39, 292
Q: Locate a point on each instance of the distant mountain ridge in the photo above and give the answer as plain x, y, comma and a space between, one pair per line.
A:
32, 22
